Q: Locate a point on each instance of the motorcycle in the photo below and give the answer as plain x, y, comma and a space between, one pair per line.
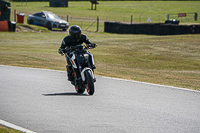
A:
82, 68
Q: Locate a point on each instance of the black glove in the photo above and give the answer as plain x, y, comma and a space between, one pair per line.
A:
93, 45
60, 51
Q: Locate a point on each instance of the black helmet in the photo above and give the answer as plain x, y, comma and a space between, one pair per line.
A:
75, 31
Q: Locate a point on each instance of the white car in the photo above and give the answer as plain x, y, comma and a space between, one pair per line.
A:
47, 19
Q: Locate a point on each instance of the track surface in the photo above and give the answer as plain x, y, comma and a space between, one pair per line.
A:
45, 102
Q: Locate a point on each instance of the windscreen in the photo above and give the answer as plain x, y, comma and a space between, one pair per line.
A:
52, 16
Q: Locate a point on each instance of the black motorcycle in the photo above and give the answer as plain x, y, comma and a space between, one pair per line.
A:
82, 66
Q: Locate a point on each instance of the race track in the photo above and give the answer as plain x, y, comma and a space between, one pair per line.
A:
43, 101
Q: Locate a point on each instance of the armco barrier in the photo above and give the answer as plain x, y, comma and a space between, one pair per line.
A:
151, 29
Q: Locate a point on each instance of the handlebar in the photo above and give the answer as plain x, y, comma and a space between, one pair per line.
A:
76, 48
80, 47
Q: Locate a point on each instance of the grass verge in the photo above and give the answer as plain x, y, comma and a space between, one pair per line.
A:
8, 130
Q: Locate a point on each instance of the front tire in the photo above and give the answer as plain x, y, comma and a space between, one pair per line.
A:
30, 21
80, 90
89, 83
49, 26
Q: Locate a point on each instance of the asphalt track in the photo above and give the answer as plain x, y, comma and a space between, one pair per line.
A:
43, 101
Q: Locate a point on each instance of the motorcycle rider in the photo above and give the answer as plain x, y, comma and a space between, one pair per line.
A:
74, 38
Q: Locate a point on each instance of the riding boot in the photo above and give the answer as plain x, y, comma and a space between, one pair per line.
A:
69, 73
93, 67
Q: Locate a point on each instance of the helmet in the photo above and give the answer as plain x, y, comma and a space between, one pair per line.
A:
75, 31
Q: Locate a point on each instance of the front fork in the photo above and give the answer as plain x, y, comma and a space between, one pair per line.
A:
91, 57
83, 73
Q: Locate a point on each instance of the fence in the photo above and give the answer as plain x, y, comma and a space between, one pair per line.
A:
184, 17
87, 24
90, 23
93, 24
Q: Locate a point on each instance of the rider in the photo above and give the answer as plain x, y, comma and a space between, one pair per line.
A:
73, 39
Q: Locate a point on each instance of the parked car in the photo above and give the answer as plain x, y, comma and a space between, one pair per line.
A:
47, 19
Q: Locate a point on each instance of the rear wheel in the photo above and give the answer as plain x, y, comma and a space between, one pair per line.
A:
89, 83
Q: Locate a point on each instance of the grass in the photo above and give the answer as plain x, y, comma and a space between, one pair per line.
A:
168, 60
8, 130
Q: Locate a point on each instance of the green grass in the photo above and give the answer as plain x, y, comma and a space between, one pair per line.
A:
8, 130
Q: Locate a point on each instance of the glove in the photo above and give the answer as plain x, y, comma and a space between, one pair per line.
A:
93, 45
60, 51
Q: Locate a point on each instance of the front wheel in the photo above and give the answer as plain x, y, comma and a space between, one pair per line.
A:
30, 21
89, 83
49, 26
80, 90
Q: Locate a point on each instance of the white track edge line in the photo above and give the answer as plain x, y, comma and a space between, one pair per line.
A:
185, 89
159, 85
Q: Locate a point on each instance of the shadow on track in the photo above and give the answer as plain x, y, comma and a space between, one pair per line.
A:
65, 94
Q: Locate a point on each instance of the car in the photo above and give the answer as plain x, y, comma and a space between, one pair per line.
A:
47, 19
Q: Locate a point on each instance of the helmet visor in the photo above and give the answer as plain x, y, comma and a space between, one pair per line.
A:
76, 35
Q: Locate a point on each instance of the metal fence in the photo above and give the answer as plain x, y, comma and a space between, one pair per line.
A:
93, 24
